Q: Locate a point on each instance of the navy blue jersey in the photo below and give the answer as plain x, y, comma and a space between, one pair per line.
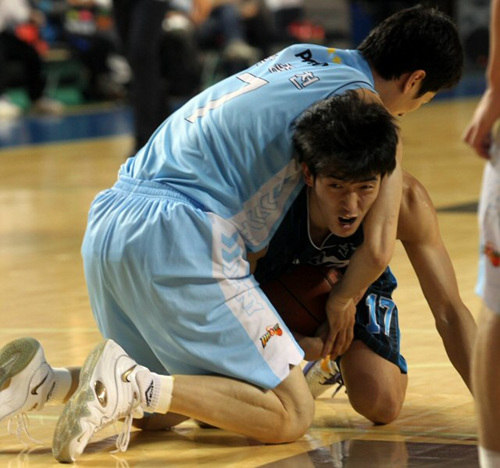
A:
377, 323
291, 245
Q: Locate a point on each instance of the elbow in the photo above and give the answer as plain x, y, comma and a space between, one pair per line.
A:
378, 254
450, 318
379, 259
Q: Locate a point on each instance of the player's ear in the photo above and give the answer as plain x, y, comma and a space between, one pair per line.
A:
308, 177
414, 81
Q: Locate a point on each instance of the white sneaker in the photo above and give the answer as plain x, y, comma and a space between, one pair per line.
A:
8, 110
323, 375
107, 391
26, 381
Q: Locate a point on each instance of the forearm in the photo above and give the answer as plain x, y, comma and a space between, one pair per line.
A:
380, 230
364, 268
493, 72
458, 336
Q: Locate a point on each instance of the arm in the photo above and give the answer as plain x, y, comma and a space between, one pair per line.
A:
367, 264
478, 132
419, 233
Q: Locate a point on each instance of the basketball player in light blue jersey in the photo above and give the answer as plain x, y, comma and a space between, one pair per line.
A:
167, 249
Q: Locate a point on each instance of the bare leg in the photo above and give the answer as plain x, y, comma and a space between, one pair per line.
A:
274, 416
159, 422
486, 379
375, 386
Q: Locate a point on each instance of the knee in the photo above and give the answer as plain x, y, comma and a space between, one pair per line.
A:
380, 406
292, 423
384, 414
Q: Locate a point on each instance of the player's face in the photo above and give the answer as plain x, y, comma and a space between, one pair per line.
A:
405, 103
339, 206
404, 96
410, 105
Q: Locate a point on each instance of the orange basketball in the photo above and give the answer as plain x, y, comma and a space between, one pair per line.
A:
300, 295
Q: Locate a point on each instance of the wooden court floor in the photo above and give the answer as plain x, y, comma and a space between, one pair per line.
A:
45, 192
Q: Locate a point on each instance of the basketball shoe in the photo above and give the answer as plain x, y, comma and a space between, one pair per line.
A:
323, 375
26, 381
107, 391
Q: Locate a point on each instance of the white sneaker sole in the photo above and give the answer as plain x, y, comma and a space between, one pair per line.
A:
15, 357
70, 436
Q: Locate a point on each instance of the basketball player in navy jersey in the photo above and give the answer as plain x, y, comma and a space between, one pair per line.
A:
166, 251
324, 227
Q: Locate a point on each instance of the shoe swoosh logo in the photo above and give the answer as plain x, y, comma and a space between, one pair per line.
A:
126, 374
34, 391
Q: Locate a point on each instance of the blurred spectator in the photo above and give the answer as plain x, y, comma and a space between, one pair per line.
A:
257, 21
220, 26
90, 33
20, 42
139, 26
291, 22
179, 46
285, 13
224, 26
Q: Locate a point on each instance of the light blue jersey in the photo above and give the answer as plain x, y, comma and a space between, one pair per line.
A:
230, 147
165, 250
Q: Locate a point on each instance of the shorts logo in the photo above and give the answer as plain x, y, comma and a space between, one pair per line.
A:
271, 331
492, 254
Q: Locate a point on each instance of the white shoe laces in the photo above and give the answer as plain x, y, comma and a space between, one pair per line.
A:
18, 425
123, 437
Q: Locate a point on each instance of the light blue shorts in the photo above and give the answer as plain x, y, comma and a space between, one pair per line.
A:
171, 284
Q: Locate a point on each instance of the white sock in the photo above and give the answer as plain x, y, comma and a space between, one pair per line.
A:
156, 391
62, 384
488, 458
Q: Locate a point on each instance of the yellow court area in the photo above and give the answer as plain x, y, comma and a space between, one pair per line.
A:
45, 192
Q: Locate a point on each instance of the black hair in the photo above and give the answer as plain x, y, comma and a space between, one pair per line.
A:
416, 38
346, 137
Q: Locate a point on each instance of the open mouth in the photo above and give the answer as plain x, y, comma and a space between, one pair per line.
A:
347, 221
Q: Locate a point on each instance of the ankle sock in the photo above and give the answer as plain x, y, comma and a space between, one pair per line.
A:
62, 384
156, 391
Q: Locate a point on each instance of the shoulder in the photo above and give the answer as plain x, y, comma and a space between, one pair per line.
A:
414, 191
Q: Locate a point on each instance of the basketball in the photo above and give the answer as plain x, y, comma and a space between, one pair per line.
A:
300, 296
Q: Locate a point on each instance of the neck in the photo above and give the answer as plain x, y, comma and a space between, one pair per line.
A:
384, 88
317, 233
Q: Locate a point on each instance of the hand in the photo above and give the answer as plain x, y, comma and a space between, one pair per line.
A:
478, 133
341, 313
